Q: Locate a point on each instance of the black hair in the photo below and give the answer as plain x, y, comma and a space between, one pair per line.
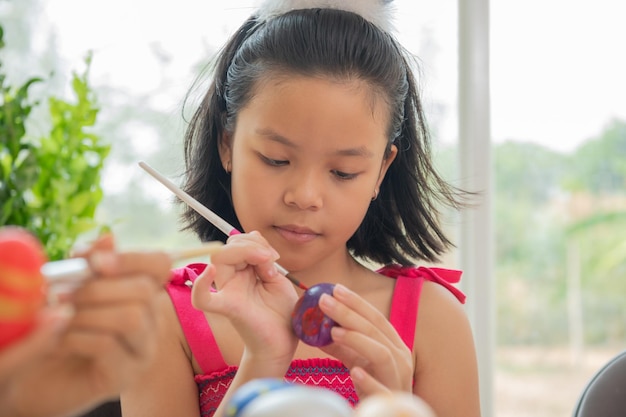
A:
402, 224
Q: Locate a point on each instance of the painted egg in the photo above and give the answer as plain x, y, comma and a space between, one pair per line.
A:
22, 286
396, 404
275, 397
308, 321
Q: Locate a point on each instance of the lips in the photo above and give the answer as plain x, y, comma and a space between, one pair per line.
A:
296, 234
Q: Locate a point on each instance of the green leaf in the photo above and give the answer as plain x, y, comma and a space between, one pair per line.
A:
51, 184
80, 202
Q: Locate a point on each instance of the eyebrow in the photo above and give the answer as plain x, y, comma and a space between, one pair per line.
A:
273, 136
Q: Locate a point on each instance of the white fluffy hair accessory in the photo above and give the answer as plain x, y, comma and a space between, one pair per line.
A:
379, 12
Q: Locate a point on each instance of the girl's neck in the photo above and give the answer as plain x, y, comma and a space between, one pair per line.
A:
343, 270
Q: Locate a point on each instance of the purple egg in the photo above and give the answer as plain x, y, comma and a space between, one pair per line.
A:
308, 321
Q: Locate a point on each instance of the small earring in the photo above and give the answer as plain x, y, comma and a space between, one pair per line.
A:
375, 196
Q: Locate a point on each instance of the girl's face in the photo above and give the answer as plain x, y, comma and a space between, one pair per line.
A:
307, 157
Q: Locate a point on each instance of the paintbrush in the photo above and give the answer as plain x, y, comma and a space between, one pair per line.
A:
66, 275
213, 218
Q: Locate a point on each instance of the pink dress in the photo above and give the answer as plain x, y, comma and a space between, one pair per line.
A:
321, 372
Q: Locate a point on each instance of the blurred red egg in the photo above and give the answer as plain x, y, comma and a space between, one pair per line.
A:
22, 286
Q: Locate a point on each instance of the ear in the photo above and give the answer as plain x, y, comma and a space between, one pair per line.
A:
225, 149
393, 152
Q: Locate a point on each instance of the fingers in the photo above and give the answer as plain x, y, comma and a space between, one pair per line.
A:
122, 310
105, 242
354, 341
105, 331
40, 341
355, 313
116, 309
158, 265
243, 251
201, 297
209, 296
112, 334
358, 349
133, 288
364, 339
106, 361
246, 249
365, 384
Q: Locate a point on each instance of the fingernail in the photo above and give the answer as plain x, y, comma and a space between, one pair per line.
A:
327, 300
357, 374
269, 253
337, 332
57, 318
340, 290
79, 249
103, 261
272, 271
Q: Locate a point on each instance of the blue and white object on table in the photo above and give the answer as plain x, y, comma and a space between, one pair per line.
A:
270, 397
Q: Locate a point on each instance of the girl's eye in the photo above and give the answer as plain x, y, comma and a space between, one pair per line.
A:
274, 162
344, 175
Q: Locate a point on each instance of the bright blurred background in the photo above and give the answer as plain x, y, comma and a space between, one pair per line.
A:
558, 125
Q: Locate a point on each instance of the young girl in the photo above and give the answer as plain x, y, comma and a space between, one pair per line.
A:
312, 141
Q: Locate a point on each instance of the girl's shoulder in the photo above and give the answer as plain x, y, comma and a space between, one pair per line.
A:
444, 351
419, 295
442, 325
414, 276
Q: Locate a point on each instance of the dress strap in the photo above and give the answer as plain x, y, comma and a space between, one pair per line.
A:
193, 322
403, 315
407, 291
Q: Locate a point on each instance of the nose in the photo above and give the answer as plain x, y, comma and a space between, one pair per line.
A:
305, 191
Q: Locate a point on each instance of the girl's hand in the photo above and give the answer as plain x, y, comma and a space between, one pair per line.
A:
367, 343
242, 284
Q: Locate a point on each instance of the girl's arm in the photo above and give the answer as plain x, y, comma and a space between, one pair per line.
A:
446, 372
257, 301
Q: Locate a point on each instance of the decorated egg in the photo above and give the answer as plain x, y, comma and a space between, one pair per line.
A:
308, 321
395, 404
274, 397
22, 286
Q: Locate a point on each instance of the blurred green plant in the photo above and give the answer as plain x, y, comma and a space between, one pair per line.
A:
50, 185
